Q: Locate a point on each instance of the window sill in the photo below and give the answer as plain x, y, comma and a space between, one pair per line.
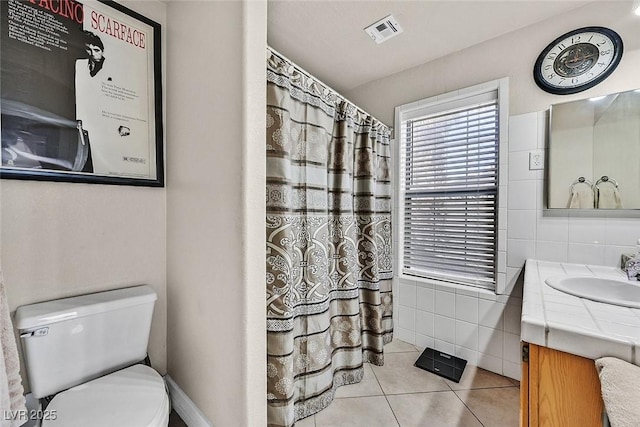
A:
449, 287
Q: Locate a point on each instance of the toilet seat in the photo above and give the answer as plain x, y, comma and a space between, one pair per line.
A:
132, 397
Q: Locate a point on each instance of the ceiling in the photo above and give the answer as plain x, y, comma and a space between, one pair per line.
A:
326, 38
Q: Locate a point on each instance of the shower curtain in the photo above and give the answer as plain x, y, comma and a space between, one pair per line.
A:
328, 236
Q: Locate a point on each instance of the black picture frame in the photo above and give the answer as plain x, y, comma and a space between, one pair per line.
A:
60, 122
618, 47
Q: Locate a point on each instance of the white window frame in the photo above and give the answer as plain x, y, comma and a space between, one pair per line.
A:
403, 111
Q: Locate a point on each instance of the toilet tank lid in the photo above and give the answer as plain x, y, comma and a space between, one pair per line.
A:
50, 312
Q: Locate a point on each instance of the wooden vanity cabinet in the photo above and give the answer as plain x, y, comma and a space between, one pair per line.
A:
558, 389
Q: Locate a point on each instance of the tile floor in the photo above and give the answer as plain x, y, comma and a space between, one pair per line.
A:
399, 394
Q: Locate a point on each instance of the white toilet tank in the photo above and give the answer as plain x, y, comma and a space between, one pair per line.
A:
69, 341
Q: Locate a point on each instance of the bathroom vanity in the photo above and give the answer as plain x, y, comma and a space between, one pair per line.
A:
561, 336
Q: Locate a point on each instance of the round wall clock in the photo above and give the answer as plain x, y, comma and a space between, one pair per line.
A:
578, 60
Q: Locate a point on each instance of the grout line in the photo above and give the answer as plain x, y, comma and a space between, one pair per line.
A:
392, 411
385, 397
469, 409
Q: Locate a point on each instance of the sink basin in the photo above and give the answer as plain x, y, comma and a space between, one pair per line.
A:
610, 291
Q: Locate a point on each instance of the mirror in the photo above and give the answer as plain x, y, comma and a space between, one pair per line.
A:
594, 153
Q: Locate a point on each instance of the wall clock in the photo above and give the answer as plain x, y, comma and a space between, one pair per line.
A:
578, 60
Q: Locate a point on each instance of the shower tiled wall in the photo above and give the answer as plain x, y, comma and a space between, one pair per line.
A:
484, 328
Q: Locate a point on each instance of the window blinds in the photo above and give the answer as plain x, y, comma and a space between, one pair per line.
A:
450, 186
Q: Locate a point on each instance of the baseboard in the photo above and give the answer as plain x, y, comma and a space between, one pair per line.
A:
188, 411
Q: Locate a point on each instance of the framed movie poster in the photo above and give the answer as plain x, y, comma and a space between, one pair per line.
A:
80, 92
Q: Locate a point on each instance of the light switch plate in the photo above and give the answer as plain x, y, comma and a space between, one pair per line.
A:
536, 160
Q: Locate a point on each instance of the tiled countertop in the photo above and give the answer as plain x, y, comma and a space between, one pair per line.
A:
575, 325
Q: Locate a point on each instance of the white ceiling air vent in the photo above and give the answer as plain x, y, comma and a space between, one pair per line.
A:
384, 29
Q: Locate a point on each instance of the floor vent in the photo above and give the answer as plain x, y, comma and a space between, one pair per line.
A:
443, 364
384, 29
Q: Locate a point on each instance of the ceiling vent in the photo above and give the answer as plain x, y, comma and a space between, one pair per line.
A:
384, 29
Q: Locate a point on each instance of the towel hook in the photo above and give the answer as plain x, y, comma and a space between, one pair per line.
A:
605, 178
581, 180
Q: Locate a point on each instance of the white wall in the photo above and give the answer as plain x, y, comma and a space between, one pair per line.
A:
63, 239
481, 327
215, 207
511, 55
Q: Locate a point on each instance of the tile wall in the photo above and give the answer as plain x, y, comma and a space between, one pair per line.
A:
484, 328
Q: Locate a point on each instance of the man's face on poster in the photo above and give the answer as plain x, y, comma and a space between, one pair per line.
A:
94, 52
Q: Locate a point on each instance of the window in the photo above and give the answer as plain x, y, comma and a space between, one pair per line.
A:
449, 187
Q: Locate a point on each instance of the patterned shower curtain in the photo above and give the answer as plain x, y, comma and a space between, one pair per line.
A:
328, 232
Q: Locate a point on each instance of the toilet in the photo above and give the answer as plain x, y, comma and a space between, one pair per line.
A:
85, 356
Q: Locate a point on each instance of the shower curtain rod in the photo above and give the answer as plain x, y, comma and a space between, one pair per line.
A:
326, 86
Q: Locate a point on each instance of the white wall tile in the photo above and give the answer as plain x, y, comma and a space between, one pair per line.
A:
502, 196
587, 230
612, 254
407, 318
407, 295
525, 231
502, 262
620, 231
522, 194
445, 303
512, 317
425, 299
540, 194
502, 219
512, 370
503, 153
467, 335
552, 229
501, 281
490, 314
518, 251
468, 291
523, 132
503, 173
423, 341
467, 308
586, 254
471, 356
444, 288
445, 329
552, 251
490, 341
502, 240
511, 347
405, 335
519, 167
490, 362
425, 323
521, 224
406, 281
443, 346
515, 282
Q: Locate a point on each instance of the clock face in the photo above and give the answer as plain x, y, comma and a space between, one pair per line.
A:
578, 60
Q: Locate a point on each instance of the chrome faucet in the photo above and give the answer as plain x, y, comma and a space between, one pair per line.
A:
631, 266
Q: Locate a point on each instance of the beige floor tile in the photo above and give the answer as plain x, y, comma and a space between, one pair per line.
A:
371, 411
398, 375
474, 377
307, 422
367, 387
438, 409
494, 407
397, 346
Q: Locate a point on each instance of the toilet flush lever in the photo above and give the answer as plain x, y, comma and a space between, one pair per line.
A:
37, 333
